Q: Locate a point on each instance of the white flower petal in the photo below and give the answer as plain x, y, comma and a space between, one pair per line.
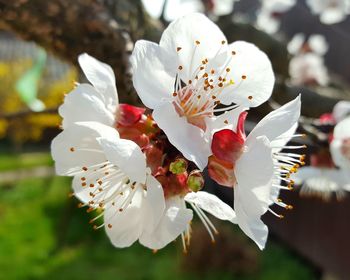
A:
341, 110
151, 81
318, 44
253, 227
341, 132
296, 43
101, 130
84, 103
223, 7
330, 11
101, 76
278, 121
274, 195
212, 204
227, 120
307, 67
332, 16
346, 187
128, 156
337, 155
322, 181
342, 129
251, 74
253, 193
183, 33
266, 22
154, 8
187, 138
178, 8
319, 179
279, 6
126, 225
174, 222
76, 147
155, 204
254, 172
284, 138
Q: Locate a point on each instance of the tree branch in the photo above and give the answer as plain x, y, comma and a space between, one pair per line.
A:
69, 28
24, 113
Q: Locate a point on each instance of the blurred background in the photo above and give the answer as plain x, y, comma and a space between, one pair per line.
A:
43, 234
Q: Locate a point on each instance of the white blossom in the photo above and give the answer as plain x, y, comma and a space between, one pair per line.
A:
191, 72
307, 66
330, 11
268, 16
176, 8
341, 110
259, 168
322, 180
110, 174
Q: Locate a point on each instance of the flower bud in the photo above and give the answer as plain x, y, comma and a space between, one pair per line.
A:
178, 166
128, 115
195, 181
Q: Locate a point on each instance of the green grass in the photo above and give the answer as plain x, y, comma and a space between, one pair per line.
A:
43, 235
10, 161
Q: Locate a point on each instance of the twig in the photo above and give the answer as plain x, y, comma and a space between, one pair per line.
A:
24, 113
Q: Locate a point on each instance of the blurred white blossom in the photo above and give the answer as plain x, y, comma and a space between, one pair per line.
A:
269, 15
341, 110
329, 171
177, 8
330, 11
307, 66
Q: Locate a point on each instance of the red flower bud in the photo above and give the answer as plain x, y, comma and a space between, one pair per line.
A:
227, 145
129, 115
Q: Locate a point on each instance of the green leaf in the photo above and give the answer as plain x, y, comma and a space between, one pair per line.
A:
27, 84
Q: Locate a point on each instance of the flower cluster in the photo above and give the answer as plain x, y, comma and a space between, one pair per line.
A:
307, 66
329, 168
141, 169
330, 11
172, 9
270, 14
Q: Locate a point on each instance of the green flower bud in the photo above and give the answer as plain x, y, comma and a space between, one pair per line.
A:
195, 181
178, 166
